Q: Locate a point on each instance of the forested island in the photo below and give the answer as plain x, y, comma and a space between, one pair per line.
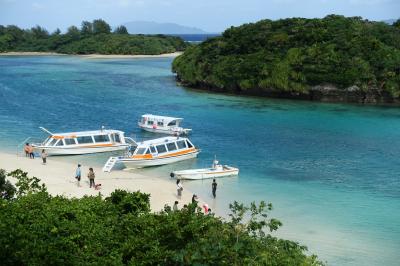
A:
40, 229
93, 37
336, 58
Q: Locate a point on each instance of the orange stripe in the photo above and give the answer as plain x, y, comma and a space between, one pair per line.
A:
98, 145
57, 137
177, 153
144, 156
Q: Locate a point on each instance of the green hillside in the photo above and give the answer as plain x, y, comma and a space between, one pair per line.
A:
92, 37
290, 57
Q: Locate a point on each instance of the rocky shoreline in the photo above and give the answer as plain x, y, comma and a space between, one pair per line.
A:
320, 93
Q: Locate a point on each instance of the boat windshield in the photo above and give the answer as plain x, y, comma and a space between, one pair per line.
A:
53, 141
141, 151
172, 123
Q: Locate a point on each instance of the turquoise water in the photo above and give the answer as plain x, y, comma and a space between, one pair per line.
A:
330, 170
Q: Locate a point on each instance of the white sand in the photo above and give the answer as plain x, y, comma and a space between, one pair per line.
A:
59, 178
91, 56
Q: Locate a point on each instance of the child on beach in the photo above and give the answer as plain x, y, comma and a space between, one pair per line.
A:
175, 207
179, 188
78, 175
44, 156
91, 177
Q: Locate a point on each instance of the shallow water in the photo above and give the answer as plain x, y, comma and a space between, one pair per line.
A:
330, 170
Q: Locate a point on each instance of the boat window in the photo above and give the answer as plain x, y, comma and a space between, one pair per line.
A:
53, 141
152, 149
161, 148
141, 151
60, 143
171, 146
148, 151
149, 122
117, 138
69, 141
172, 123
189, 144
181, 144
85, 139
160, 123
101, 138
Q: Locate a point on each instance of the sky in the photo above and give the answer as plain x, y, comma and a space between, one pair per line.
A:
209, 15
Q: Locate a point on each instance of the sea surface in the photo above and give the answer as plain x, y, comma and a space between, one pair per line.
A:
331, 171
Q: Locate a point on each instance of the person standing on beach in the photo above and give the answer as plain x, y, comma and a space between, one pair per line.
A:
214, 188
179, 188
44, 156
91, 177
78, 175
175, 207
31, 154
26, 149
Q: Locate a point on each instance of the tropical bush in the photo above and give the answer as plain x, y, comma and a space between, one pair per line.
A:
93, 37
39, 229
292, 55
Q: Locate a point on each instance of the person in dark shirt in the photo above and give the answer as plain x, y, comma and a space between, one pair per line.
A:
214, 188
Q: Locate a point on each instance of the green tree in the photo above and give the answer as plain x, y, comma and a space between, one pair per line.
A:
121, 30
39, 229
86, 28
100, 26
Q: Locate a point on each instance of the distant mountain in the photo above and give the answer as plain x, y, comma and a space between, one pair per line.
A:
150, 27
390, 21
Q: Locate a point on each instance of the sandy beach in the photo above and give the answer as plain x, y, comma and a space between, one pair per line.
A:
91, 56
59, 179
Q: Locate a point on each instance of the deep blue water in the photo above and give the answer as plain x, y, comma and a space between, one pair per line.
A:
330, 170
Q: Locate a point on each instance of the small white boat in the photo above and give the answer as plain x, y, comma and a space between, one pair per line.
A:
163, 124
156, 152
83, 142
215, 171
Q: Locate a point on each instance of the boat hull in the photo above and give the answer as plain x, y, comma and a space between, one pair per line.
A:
164, 130
198, 174
54, 151
139, 163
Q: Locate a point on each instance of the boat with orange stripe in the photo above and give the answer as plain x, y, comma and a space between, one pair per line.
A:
159, 152
84, 142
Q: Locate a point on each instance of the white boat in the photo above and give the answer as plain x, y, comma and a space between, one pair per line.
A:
156, 152
163, 124
83, 142
215, 171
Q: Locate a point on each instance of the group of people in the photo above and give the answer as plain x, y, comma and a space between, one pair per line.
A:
29, 152
206, 209
179, 189
90, 175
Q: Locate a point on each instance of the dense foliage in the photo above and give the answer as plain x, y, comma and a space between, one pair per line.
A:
92, 37
293, 55
39, 229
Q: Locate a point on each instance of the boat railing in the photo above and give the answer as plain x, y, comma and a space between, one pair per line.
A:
20, 150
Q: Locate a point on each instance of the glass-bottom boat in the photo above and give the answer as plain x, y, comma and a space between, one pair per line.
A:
156, 152
83, 142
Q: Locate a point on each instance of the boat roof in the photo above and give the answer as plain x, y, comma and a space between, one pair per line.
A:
87, 133
159, 141
160, 117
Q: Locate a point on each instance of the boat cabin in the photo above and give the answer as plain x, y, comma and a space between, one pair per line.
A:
97, 137
167, 146
160, 121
